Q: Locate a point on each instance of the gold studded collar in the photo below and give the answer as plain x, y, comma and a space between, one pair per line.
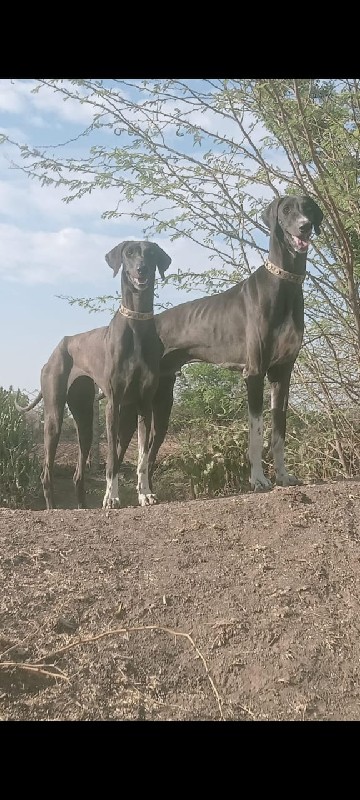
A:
127, 312
282, 273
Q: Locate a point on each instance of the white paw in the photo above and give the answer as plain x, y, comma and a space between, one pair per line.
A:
114, 502
111, 496
111, 502
147, 499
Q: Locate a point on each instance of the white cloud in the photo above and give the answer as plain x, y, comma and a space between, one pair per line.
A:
39, 122
70, 255
11, 99
16, 97
69, 110
17, 134
26, 202
54, 257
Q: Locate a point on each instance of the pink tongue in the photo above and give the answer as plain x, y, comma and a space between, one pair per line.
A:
301, 242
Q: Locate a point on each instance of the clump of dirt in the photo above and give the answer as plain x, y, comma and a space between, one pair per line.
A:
239, 608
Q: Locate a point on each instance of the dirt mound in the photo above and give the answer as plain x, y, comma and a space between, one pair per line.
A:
241, 608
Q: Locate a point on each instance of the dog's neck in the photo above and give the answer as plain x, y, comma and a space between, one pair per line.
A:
134, 300
283, 258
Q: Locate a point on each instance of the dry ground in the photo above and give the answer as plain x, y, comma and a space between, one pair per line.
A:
244, 608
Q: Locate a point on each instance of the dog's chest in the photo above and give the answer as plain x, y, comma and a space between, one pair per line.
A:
286, 342
138, 369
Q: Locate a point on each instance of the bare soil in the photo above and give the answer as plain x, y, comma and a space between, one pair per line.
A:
237, 608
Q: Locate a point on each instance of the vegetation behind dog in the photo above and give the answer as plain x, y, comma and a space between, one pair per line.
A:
19, 466
205, 453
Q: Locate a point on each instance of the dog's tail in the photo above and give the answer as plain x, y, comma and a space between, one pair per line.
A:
24, 409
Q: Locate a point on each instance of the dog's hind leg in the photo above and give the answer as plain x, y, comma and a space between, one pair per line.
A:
145, 495
279, 378
53, 418
54, 378
80, 400
255, 389
52, 430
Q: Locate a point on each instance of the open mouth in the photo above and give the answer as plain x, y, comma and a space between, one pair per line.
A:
139, 283
300, 244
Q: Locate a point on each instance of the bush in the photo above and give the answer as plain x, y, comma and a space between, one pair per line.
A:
19, 466
318, 448
215, 460
207, 393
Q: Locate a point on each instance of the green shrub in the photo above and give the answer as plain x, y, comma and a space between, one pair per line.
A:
19, 465
213, 460
318, 448
208, 393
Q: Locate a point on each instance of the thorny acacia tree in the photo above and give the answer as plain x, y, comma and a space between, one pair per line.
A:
199, 159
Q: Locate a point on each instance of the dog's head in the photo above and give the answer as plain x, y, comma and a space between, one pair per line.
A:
294, 218
139, 260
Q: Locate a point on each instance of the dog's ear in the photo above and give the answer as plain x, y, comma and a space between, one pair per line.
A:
318, 216
163, 261
269, 215
114, 257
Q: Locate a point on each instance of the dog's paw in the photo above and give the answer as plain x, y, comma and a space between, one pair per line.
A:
114, 502
261, 487
111, 502
288, 480
147, 499
259, 483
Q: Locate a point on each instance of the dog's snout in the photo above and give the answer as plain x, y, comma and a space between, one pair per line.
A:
305, 227
141, 268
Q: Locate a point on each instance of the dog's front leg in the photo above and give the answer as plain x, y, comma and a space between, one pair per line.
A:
111, 499
279, 378
127, 427
162, 405
255, 389
145, 495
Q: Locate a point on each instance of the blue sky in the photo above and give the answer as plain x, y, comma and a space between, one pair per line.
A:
50, 248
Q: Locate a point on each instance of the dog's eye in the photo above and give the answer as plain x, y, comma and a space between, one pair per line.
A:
130, 251
286, 209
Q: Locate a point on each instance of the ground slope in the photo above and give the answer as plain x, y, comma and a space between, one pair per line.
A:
241, 608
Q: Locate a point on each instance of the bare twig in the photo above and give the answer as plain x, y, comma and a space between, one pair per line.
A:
170, 631
38, 668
